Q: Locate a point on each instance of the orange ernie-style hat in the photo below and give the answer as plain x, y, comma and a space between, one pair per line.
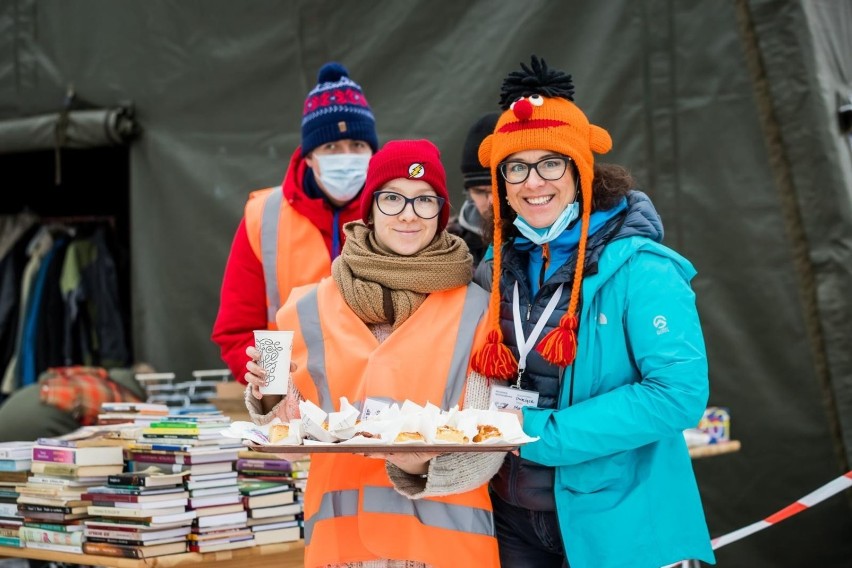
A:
539, 114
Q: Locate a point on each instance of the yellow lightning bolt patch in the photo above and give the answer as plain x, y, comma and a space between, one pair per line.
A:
415, 170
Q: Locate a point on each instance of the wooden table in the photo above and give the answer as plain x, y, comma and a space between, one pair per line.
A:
714, 449
285, 555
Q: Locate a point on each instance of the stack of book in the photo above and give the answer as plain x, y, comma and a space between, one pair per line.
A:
192, 444
259, 468
12, 457
140, 413
52, 502
273, 513
138, 515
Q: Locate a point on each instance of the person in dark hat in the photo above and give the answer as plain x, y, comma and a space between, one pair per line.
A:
477, 184
292, 232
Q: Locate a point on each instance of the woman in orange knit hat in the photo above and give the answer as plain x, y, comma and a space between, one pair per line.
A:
595, 323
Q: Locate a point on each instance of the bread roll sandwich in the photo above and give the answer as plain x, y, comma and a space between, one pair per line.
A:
450, 434
485, 432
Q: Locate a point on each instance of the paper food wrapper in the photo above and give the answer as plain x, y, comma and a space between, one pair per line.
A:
251, 432
317, 427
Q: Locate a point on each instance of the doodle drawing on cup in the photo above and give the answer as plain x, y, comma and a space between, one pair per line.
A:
275, 348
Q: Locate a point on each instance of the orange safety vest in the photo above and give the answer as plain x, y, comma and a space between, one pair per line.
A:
289, 246
352, 512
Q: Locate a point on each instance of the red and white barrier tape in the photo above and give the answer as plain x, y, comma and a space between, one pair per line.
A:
828, 490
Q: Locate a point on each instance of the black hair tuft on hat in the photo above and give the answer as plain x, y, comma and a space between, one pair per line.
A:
536, 79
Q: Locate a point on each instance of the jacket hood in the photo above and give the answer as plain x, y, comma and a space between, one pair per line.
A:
642, 219
469, 217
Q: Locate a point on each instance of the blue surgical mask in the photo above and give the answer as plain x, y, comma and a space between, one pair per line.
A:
547, 234
342, 175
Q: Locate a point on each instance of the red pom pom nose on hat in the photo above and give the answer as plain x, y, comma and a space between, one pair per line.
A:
523, 109
407, 159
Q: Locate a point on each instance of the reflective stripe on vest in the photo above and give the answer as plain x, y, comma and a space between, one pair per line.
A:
334, 504
309, 324
307, 308
460, 518
269, 250
431, 513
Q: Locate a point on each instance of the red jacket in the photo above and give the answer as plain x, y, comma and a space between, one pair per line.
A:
242, 306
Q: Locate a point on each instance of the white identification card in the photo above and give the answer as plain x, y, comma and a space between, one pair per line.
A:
512, 398
372, 408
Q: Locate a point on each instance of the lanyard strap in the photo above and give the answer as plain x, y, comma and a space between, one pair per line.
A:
526, 345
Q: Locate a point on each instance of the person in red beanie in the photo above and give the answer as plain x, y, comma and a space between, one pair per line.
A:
397, 320
594, 321
290, 233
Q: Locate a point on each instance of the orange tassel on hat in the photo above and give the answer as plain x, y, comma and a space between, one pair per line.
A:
560, 345
494, 359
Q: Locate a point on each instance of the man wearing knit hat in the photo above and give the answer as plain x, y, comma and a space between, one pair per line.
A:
594, 321
292, 232
477, 183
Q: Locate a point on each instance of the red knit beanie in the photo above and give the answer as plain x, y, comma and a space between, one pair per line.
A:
407, 159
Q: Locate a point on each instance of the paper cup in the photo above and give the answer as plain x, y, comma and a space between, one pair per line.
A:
275, 348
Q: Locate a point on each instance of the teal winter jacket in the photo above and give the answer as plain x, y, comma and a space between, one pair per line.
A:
625, 491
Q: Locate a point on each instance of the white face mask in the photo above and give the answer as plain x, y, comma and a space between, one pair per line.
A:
342, 175
541, 236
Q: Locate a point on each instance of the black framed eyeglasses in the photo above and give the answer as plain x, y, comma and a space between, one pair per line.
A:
550, 169
392, 203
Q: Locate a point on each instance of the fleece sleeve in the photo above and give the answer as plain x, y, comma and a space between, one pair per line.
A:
242, 305
667, 346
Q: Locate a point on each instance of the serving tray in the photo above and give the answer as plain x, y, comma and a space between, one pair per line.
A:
332, 448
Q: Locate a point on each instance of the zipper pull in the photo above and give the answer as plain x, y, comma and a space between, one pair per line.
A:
529, 311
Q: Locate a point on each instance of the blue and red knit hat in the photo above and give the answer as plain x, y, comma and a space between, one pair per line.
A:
336, 109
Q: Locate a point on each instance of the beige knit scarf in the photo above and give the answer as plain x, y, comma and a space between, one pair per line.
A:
383, 287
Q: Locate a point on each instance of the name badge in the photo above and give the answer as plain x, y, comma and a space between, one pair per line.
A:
373, 407
511, 398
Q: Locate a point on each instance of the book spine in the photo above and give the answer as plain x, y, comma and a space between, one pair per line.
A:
15, 465
102, 511
30, 534
113, 497
273, 465
171, 432
56, 442
15, 454
141, 446
44, 509
157, 458
52, 526
121, 541
105, 549
55, 455
174, 425
54, 468
127, 480
112, 533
